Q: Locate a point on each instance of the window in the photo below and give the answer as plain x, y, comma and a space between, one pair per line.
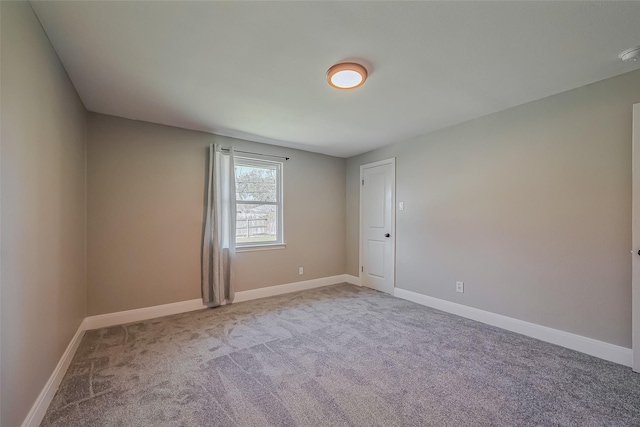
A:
258, 201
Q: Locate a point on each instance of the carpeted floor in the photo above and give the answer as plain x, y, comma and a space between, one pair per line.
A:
335, 356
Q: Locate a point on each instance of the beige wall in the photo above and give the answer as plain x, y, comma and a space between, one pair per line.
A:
145, 212
530, 207
43, 211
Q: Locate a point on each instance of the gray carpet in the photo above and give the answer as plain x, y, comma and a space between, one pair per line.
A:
335, 356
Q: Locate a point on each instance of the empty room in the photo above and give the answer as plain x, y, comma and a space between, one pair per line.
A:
319, 213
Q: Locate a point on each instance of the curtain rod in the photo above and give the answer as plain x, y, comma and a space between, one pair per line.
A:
257, 154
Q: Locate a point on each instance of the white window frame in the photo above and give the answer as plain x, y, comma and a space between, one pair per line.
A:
279, 203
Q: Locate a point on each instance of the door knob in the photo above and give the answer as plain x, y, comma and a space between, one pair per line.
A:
389, 235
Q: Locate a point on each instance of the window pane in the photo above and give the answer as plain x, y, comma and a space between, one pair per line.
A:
256, 223
257, 184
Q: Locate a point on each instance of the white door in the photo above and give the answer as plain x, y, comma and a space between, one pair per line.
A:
635, 252
377, 225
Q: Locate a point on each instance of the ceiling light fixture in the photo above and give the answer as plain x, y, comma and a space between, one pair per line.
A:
347, 75
632, 54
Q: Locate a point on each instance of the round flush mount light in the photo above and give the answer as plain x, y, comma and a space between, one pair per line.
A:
632, 54
347, 75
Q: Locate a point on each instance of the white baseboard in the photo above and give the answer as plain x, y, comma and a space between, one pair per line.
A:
601, 349
139, 314
354, 280
39, 408
270, 291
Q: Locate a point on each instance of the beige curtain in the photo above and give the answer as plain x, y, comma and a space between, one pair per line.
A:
219, 237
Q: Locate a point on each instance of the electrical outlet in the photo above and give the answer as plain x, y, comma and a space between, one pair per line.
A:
401, 206
300, 270
459, 286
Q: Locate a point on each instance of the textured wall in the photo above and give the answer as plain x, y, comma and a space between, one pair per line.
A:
145, 212
530, 207
43, 211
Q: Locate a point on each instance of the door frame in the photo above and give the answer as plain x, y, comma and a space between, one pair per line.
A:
635, 241
391, 161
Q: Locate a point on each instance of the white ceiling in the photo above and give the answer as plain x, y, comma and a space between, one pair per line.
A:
256, 70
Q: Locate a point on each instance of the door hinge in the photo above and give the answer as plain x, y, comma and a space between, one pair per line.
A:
363, 182
362, 269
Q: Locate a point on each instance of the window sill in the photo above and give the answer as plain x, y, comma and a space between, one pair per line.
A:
267, 247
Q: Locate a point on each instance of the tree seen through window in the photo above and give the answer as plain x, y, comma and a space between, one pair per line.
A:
257, 199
